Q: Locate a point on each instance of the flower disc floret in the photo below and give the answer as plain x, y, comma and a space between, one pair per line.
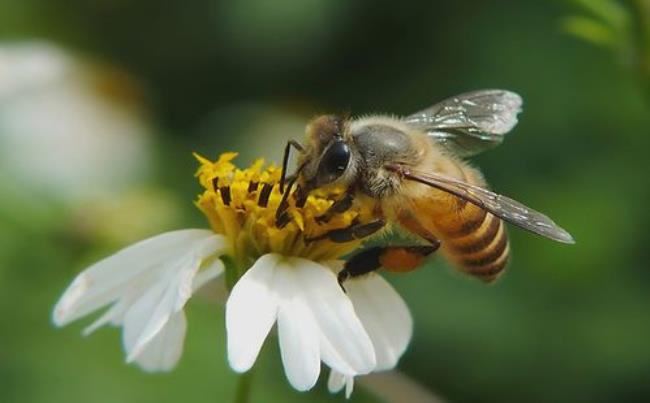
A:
242, 205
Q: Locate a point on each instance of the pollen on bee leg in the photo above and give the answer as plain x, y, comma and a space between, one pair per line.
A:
403, 259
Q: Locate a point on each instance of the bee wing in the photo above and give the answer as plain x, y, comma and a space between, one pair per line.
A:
470, 123
499, 205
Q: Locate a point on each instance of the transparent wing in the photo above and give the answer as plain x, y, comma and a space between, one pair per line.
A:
470, 123
499, 205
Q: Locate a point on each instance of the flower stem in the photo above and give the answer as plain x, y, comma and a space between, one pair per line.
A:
244, 383
233, 272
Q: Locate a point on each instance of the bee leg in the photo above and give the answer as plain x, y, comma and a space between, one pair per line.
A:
281, 215
285, 160
393, 258
403, 259
351, 233
300, 196
339, 206
362, 263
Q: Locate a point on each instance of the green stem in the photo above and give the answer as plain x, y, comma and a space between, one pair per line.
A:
243, 392
244, 382
233, 272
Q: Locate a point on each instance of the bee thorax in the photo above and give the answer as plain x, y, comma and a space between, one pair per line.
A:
379, 183
377, 145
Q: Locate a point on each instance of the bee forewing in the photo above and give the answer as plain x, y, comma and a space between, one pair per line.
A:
501, 206
470, 123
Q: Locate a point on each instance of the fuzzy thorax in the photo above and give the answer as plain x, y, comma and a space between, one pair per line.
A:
241, 204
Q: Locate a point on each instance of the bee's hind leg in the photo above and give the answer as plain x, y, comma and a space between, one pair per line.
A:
392, 258
362, 263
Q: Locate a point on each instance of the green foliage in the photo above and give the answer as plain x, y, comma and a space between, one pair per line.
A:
620, 26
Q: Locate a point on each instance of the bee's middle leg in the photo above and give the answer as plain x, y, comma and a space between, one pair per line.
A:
340, 206
351, 233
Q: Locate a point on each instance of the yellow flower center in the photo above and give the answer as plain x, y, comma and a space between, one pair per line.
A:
242, 203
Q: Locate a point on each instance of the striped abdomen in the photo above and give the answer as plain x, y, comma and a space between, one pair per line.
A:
475, 241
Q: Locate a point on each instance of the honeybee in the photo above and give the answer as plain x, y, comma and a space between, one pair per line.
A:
414, 173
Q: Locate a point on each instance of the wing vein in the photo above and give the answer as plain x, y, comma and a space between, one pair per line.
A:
501, 206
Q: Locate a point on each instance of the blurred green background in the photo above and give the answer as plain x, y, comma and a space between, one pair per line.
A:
103, 101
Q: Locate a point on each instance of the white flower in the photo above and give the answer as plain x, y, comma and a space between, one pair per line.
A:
285, 275
146, 286
316, 320
387, 320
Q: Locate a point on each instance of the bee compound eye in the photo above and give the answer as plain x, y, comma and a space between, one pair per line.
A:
334, 162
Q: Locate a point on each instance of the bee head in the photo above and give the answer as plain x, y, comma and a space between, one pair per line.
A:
327, 156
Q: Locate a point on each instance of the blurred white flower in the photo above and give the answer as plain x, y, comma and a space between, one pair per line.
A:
67, 126
146, 286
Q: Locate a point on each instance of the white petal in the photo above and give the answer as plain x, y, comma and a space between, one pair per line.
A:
164, 350
251, 310
214, 270
299, 344
384, 315
113, 315
146, 317
103, 282
337, 381
345, 345
349, 386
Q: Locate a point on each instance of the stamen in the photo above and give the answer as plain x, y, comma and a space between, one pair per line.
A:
246, 217
263, 201
225, 195
283, 220
300, 197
